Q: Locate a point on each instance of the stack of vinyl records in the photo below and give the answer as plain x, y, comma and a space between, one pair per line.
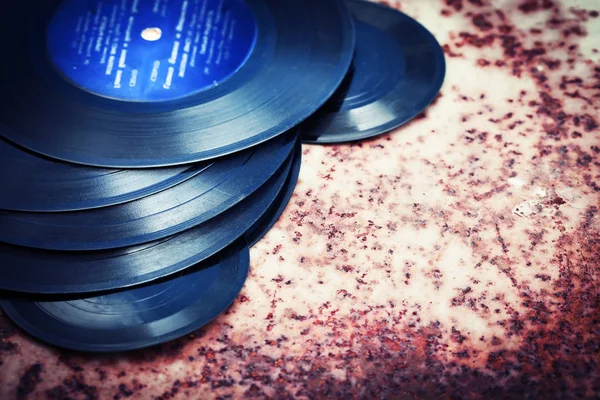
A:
146, 145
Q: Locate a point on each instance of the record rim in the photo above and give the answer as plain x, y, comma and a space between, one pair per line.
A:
263, 226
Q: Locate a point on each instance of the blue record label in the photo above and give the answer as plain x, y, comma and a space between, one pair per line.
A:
150, 50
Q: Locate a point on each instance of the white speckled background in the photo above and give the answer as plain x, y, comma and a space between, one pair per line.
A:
456, 257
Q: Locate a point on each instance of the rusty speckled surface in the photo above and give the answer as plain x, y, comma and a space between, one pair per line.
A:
455, 258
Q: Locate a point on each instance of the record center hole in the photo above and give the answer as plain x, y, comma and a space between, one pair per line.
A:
151, 34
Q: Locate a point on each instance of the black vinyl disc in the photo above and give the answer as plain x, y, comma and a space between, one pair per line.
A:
397, 71
139, 317
39, 184
59, 95
55, 272
221, 185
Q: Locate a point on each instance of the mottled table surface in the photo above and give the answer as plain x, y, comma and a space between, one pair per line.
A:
455, 257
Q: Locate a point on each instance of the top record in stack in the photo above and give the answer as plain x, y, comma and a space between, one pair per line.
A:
146, 83
147, 144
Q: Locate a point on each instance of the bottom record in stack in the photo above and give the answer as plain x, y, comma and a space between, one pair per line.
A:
128, 314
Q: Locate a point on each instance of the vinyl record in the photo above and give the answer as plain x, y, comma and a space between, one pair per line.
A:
53, 272
39, 184
221, 185
136, 83
139, 317
397, 71
269, 219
